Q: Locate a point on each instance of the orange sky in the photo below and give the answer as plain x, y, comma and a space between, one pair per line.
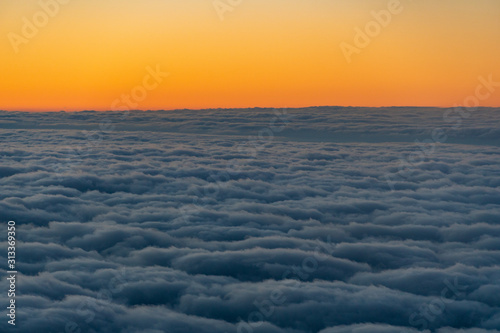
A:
268, 53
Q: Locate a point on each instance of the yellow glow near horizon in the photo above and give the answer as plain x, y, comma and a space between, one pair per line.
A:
265, 53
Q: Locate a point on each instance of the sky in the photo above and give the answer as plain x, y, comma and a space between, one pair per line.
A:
99, 55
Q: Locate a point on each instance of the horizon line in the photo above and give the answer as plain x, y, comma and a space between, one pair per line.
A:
249, 108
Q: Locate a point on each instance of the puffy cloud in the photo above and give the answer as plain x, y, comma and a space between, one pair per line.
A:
320, 220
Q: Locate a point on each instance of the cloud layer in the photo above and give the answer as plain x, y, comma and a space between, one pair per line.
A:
299, 221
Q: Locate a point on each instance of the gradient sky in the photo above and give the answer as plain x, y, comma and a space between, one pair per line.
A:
265, 53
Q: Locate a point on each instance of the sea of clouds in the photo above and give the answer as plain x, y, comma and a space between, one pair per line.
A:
328, 220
